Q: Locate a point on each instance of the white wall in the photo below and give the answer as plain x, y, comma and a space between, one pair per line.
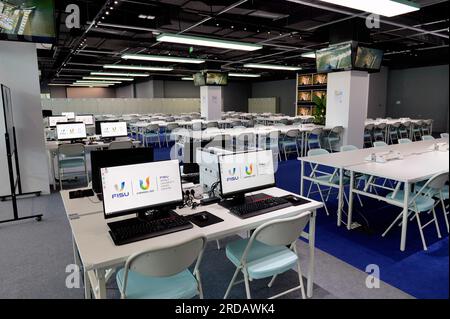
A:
19, 71
125, 91
347, 101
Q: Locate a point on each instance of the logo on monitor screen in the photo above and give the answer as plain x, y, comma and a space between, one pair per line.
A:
232, 173
249, 170
144, 185
120, 191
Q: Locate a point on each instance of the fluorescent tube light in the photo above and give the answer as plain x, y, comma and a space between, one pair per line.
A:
160, 58
208, 42
106, 79
120, 74
91, 85
311, 55
187, 79
58, 84
387, 8
244, 75
100, 82
271, 67
136, 67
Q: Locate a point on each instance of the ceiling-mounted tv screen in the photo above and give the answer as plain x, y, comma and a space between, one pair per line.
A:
31, 20
368, 59
213, 78
199, 79
335, 58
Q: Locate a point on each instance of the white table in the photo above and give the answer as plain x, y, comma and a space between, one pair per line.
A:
419, 163
100, 257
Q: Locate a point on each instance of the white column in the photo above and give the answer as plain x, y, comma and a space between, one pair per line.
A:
347, 101
211, 99
19, 71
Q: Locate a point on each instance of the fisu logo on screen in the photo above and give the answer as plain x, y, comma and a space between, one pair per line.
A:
233, 177
120, 191
249, 170
144, 185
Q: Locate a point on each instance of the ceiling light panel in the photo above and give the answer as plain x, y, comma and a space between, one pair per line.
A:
137, 67
271, 67
160, 58
120, 74
387, 8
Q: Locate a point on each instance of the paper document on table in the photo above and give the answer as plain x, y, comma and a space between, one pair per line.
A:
441, 147
384, 157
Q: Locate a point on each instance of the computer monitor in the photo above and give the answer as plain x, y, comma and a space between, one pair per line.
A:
119, 157
98, 127
69, 115
47, 113
114, 129
134, 189
54, 120
87, 119
246, 172
70, 131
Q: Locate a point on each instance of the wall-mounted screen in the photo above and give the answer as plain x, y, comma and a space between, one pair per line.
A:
368, 59
335, 58
220, 79
199, 79
31, 20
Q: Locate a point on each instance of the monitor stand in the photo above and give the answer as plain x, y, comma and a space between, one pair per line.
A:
241, 199
108, 139
150, 215
77, 141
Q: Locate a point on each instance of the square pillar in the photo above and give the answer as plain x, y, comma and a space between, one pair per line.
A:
347, 102
211, 99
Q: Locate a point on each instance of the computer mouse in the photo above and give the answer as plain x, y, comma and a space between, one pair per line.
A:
203, 217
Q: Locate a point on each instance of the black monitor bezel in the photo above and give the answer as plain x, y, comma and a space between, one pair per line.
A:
139, 210
71, 139
98, 125
250, 190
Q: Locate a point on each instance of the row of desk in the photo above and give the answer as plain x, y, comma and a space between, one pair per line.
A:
95, 252
420, 162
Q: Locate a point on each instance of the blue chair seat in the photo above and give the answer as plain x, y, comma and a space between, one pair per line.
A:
263, 261
179, 286
71, 162
423, 203
334, 180
288, 143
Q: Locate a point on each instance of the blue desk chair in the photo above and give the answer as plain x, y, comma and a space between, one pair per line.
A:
163, 273
289, 143
313, 138
421, 202
404, 130
70, 157
151, 135
368, 132
417, 130
266, 254
427, 138
379, 132
333, 138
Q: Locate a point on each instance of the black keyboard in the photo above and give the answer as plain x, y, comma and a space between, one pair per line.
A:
259, 207
134, 229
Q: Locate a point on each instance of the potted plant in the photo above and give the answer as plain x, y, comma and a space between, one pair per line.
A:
320, 109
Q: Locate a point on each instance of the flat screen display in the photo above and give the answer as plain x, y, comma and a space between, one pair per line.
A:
31, 20
334, 58
86, 119
219, 79
53, 120
114, 129
133, 187
69, 115
70, 131
368, 58
244, 172
199, 79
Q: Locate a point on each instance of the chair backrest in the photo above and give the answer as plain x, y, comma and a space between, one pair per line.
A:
444, 135
396, 124
418, 124
379, 144
438, 181
172, 126
71, 150
427, 122
369, 127
406, 124
292, 134
317, 131
119, 145
165, 261
381, 126
281, 232
197, 126
317, 152
348, 148
236, 123
427, 138
152, 128
186, 118
337, 130
404, 141
212, 124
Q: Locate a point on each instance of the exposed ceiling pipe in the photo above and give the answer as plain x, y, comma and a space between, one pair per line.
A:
327, 8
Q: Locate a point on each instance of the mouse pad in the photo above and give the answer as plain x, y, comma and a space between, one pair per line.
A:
212, 219
296, 201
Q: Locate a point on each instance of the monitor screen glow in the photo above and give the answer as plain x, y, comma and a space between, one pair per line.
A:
53, 120
141, 186
114, 129
69, 115
71, 131
86, 119
244, 172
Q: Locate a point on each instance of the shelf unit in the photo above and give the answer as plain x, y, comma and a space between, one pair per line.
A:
309, 85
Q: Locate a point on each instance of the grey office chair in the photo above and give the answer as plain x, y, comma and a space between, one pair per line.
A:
71, 156
119, 145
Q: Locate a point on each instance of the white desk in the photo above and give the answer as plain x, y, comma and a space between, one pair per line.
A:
100, 257
419, 164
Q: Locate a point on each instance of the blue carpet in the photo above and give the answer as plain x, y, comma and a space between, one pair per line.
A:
422, 274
